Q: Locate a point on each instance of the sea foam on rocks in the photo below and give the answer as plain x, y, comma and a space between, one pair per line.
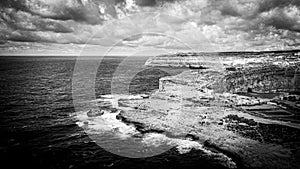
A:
105, 123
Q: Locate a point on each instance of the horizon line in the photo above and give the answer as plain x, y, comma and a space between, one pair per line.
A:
120, 55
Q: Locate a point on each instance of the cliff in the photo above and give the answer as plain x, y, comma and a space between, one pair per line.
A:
225, 60
240, 72
205, 60
267, 78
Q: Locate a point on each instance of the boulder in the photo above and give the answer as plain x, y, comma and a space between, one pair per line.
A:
95, 113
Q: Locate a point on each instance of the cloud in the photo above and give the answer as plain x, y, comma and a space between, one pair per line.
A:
287, 18
87, 11
200, 24
25, 21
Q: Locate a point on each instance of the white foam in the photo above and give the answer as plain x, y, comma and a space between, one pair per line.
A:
129, 97
114, 99
183, 146
155, 139
105, 123
109, 96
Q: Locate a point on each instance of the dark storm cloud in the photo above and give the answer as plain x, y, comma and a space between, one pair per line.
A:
16, 4
146, 2
280, 20
76, 14
281, 14
25, 21
250, 8
76, 10
27, 37
229, 10
266, 5
152, 2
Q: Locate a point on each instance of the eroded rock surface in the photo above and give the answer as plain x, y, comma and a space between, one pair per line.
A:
216, 108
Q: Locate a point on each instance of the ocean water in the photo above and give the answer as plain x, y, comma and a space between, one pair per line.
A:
37, 126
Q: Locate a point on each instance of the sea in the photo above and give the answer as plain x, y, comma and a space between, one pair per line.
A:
37, 124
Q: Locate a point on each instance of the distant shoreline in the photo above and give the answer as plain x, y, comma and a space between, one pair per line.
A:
76, 55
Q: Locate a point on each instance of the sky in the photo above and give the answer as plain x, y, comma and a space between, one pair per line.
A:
127, 27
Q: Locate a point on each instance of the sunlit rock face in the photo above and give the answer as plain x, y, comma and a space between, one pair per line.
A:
264, 79
195, 60
237, 72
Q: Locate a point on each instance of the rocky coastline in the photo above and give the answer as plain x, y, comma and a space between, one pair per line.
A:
247, 110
